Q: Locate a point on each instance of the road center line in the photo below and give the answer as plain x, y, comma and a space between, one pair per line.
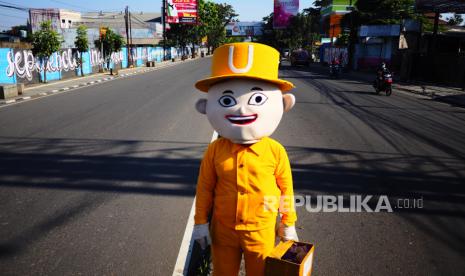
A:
186, 246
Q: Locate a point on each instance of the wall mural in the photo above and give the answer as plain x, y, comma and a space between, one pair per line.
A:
21, 66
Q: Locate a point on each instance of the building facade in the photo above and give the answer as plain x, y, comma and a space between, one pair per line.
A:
331, 16
146, 28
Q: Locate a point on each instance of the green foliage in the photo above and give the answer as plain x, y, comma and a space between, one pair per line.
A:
112, 42
212, 20
380, 12
342, 39
45, 42
81, 42
233, 39
302, 31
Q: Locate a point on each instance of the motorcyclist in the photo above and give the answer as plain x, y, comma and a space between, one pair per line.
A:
380, 71
334, 66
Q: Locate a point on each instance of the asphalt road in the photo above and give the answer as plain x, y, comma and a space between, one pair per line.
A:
100, 181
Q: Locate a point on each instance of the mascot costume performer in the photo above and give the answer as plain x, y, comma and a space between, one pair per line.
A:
245, 176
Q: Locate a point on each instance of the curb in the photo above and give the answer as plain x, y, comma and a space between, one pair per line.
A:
121, 75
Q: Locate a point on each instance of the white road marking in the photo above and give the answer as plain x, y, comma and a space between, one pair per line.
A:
26, 98
65, 88
50, 93
186, 246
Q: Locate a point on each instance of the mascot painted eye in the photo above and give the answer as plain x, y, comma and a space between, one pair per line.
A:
258, 99
227, 101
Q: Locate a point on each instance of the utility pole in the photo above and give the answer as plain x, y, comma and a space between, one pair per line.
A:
351, 46
130, 36
163, 18
128, 47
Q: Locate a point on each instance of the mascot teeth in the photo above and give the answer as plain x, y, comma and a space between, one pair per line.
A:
242, 120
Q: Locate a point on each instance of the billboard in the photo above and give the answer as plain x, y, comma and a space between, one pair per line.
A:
244, 29
181, 11
283, 10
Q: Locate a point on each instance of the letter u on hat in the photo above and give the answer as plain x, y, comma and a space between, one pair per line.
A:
244, 60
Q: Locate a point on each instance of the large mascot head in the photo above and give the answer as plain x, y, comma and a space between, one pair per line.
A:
246, 100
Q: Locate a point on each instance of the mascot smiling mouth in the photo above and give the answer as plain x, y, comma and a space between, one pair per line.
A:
242, 119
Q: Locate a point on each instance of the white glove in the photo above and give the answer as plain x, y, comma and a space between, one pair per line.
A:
287, 233
201, 233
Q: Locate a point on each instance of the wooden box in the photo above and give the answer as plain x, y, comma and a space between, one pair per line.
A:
279, 262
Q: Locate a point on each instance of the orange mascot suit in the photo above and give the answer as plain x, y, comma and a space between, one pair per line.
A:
245, 177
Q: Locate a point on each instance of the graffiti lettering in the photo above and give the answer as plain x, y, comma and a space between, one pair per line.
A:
23, 63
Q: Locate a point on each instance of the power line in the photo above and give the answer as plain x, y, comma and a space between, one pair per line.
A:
14, 5
13, 16
70, 5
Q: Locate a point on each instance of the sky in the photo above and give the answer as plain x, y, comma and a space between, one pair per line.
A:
248, 10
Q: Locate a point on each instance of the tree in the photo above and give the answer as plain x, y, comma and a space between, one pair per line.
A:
45, 42
302, 31
212, 21
378, 12
180, 34
455, 20
112, 42
216, 18
81, 43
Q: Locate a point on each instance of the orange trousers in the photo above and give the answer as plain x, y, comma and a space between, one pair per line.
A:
228, 245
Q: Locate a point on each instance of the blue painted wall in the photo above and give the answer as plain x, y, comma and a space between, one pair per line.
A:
4, 66
150, 53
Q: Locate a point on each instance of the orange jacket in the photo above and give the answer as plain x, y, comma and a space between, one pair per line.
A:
245, 185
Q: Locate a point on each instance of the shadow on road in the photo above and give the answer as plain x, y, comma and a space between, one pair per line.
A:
168, 168
408, 125
90, 172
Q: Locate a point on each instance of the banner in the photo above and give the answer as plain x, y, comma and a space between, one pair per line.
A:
283, 10
181, 11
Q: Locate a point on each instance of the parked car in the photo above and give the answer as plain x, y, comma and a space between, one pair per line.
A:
300, 57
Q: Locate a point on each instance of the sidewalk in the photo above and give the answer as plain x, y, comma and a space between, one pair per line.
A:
46, 89
451, 95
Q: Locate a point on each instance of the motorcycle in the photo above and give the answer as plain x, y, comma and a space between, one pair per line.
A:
334, 70
383, 83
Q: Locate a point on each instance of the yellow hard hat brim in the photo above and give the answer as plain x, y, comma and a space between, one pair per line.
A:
205, 84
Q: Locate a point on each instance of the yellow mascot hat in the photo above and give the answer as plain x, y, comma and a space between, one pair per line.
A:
245, 60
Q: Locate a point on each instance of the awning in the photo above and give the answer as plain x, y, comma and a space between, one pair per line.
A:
441, 6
